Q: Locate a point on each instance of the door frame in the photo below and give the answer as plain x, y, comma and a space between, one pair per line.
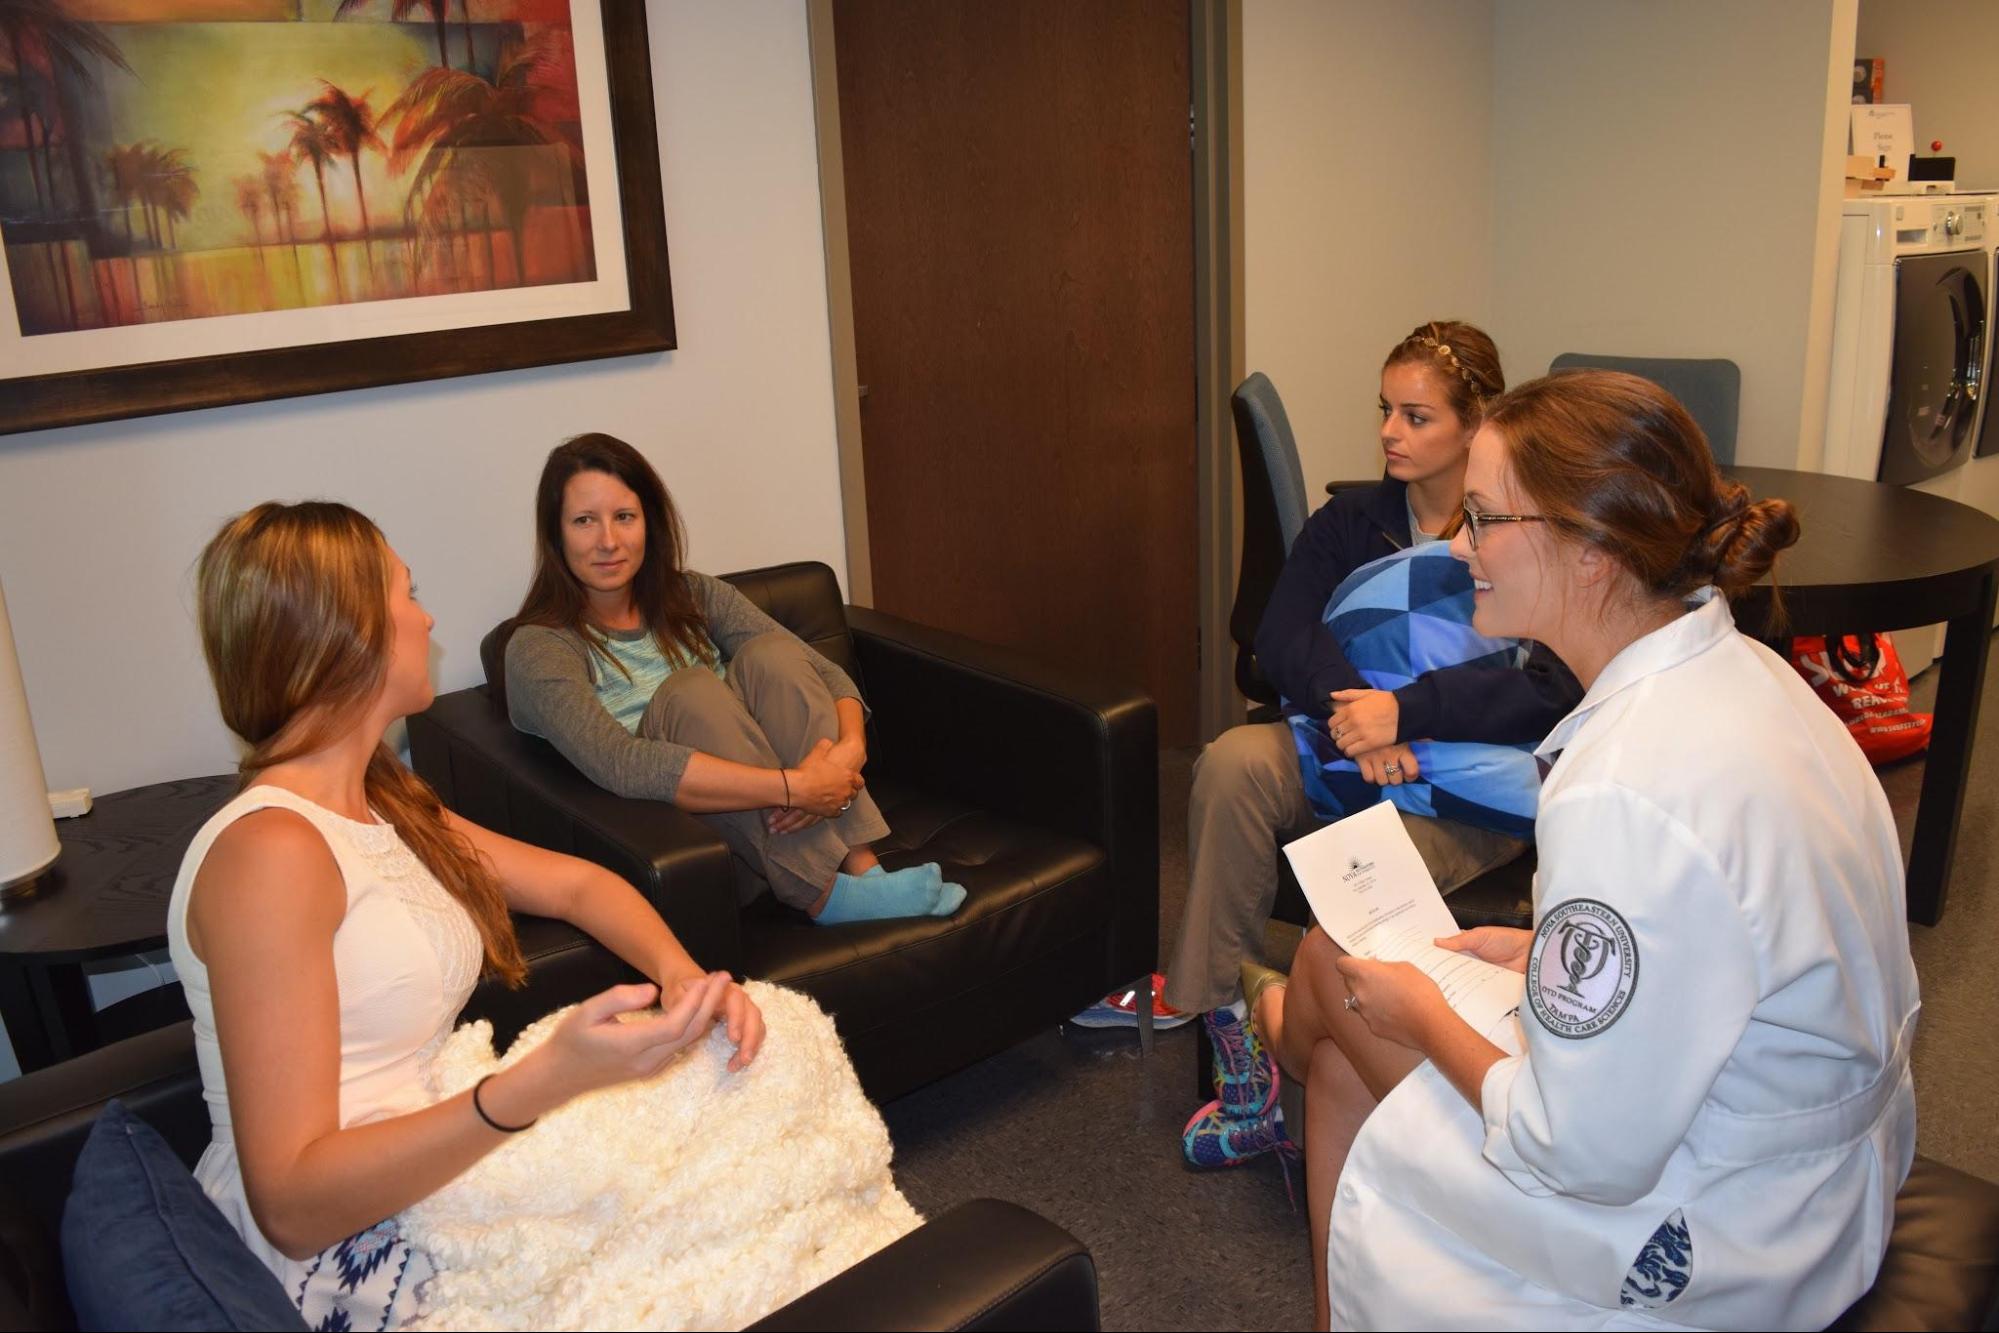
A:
1215, 141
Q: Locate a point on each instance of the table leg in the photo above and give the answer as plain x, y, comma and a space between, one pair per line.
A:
48, 1013
1960, 687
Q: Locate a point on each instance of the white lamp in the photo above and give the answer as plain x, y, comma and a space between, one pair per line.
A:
28, 843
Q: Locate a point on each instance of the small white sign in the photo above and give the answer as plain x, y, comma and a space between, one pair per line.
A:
1887, 130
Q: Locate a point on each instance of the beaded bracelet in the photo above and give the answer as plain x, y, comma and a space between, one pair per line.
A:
492, 1123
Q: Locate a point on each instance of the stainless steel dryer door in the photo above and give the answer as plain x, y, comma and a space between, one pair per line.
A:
1939, 366
1988, 429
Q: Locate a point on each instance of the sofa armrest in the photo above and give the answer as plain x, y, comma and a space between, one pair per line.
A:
45, 1116
985, 1264
519, 785
1054, 746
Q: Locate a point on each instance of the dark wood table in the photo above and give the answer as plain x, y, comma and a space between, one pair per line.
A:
105, 897
1876, 557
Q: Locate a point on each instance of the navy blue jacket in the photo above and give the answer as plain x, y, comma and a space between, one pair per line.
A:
1300, 656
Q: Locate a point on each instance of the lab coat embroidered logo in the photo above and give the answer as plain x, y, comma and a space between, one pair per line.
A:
1582, 970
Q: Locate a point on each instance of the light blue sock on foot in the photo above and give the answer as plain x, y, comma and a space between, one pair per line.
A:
913, 891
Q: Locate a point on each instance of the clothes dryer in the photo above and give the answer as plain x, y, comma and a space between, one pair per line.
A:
1979, 486
1910, 351
1909, 355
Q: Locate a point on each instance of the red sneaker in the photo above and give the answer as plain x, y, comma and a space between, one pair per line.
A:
1119, 1009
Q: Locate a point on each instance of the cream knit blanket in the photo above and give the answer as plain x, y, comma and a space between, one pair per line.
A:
696, 1199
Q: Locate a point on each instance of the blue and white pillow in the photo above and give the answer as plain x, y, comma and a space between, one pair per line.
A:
1395, 619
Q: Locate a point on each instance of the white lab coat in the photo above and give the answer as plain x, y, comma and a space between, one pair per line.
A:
1755, 1075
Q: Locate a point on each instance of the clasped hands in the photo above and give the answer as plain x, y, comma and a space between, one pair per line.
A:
824, 784
1363, 726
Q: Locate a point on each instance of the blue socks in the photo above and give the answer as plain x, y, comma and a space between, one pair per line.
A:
878, 894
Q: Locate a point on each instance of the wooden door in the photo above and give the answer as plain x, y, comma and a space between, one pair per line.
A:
1020, 229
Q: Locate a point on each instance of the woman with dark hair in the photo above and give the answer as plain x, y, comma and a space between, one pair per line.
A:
331, 920
1702, 1112
663, 683
1249, 793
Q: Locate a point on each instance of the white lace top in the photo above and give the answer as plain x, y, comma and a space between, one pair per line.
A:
406, 956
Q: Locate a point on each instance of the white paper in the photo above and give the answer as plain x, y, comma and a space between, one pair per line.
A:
1371, 892
1885, 130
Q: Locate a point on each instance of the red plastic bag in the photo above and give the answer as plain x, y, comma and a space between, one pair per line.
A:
1860, 677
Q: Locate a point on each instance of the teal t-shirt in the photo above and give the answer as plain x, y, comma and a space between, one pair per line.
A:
625, 694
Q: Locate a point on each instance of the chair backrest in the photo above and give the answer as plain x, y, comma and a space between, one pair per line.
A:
1710, 389
1274, 509
803, 596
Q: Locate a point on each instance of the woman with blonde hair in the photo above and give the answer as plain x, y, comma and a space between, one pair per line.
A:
1249, 792
1702, 1111
331, 920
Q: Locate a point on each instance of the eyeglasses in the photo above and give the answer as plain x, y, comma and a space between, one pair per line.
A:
1473, 519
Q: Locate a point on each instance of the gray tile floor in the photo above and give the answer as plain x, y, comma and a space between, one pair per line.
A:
1078, 1126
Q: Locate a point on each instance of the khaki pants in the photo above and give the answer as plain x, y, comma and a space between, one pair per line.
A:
769, 714
1248, 799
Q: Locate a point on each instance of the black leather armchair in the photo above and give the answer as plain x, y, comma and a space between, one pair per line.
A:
1034, 786
983, 1264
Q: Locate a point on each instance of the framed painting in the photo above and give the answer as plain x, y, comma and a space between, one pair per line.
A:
223, 201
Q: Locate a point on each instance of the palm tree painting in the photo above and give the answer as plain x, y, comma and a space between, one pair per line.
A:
151, 153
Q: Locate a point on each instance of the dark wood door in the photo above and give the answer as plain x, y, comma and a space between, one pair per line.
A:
1020, 229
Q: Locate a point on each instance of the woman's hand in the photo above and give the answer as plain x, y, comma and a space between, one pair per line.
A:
789, 820
594, 1048
822, 786
1363, 720
1495, 944
1390, 766
850, 752
1396, 1000
740, 1018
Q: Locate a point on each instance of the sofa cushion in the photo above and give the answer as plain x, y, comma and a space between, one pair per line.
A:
143, 1247
1029, 892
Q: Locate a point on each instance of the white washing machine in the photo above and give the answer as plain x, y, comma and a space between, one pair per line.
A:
1909, 350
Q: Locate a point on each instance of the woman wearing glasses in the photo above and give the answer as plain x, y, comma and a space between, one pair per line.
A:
1248, 792
1702, 1112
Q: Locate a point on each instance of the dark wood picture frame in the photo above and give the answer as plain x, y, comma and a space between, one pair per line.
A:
111, 393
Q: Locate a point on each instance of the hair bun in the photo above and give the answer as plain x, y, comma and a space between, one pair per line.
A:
1746, 538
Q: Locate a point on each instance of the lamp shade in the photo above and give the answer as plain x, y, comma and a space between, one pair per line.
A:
28, 843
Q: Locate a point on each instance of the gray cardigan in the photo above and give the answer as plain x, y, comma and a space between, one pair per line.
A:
552, 693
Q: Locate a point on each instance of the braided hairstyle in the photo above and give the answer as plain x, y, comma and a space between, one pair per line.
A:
1614, 460
1464, 359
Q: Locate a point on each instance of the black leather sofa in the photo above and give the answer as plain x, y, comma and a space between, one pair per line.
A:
983, 1264
1034, 786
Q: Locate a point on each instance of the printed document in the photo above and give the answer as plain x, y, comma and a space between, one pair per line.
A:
1371, 892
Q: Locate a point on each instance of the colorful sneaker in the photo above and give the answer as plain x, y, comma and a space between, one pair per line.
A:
1244, 1074
1119, 1009
1214, 1138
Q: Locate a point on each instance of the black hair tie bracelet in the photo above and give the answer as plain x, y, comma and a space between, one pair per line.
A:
492, 1123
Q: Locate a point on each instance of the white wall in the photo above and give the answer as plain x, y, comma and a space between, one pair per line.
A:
1367, 201
1662, 189
1940, 60
100, 525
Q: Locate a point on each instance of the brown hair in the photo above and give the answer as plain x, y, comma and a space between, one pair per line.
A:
660, 590
1614, 460
1464, 359
294, 615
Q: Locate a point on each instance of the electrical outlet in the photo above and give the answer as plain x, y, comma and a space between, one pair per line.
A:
71, 803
